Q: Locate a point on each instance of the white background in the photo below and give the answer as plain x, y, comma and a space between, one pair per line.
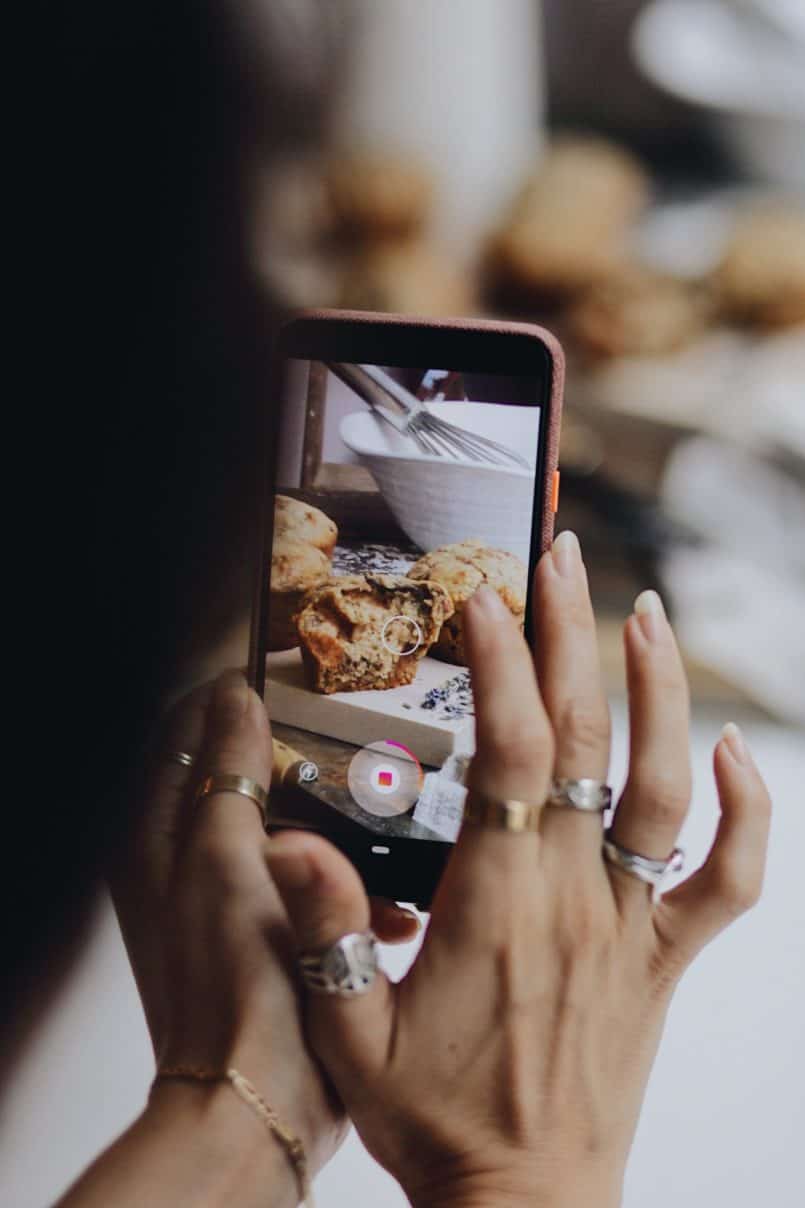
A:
724, 1119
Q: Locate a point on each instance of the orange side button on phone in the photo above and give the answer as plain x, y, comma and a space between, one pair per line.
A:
555, 491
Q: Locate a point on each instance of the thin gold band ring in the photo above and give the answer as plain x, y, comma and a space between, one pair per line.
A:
243, 785
507, 814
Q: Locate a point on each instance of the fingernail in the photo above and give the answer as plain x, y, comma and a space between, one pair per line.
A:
650, 613
567, 554
290, 870
736, 744
488, 599
412, 916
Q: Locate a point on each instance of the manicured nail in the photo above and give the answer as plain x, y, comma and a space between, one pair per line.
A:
567, 554
650, 613
488, 599
736, 744
410, 917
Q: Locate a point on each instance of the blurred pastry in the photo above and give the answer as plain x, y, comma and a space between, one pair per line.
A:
636, 312
567, 229
296, 567
376, 196
407, 277
353, 635
302, 522
461, 569
761, 279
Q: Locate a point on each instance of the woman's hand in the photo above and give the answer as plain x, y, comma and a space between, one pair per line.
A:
510, 1065
203, 924
212, 954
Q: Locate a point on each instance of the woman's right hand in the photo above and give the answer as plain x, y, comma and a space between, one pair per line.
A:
509, 1066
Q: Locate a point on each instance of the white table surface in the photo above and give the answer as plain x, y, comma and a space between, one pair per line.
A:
724, 1118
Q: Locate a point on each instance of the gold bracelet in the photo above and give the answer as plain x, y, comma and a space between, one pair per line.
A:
244, 1089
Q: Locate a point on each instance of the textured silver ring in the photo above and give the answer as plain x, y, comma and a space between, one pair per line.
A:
644, 868
181, 757
347, 968
589, 796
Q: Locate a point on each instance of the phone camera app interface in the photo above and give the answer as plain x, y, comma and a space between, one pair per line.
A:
399, 491
385, 779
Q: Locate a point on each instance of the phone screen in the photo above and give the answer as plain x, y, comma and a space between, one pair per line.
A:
398, 491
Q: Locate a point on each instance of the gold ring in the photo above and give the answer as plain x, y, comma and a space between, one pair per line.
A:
502, 813
236, 784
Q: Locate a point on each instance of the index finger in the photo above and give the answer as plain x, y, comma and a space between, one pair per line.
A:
237, 742
491, 870
514, 741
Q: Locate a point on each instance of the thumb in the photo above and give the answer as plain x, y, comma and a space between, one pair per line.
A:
325, 900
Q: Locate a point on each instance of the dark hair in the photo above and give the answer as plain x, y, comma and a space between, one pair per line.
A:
154, 344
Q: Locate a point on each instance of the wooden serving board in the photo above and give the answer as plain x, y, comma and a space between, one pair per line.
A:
363, 717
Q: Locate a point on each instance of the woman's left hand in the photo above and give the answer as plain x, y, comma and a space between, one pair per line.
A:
207, 933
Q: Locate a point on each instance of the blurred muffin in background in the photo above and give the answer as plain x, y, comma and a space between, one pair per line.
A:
761, 279
568, 227
379, 206
637, 312
377, 197
406, 277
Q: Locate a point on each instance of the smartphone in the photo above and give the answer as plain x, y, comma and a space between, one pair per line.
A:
412, 461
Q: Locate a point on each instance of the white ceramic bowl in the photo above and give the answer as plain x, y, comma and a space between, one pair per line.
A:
437, 501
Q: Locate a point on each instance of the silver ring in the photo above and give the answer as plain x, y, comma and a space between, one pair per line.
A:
181, 757
644, 868
347, 968
590, 796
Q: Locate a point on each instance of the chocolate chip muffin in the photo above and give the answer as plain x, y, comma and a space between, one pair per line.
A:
462, 569
352, 638
296, 567
302, 522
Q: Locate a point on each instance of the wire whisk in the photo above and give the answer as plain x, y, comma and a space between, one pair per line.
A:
409, 416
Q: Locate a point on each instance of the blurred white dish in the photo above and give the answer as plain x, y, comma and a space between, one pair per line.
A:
747, 391
711, 54
688, 237
438, 500
786, 17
